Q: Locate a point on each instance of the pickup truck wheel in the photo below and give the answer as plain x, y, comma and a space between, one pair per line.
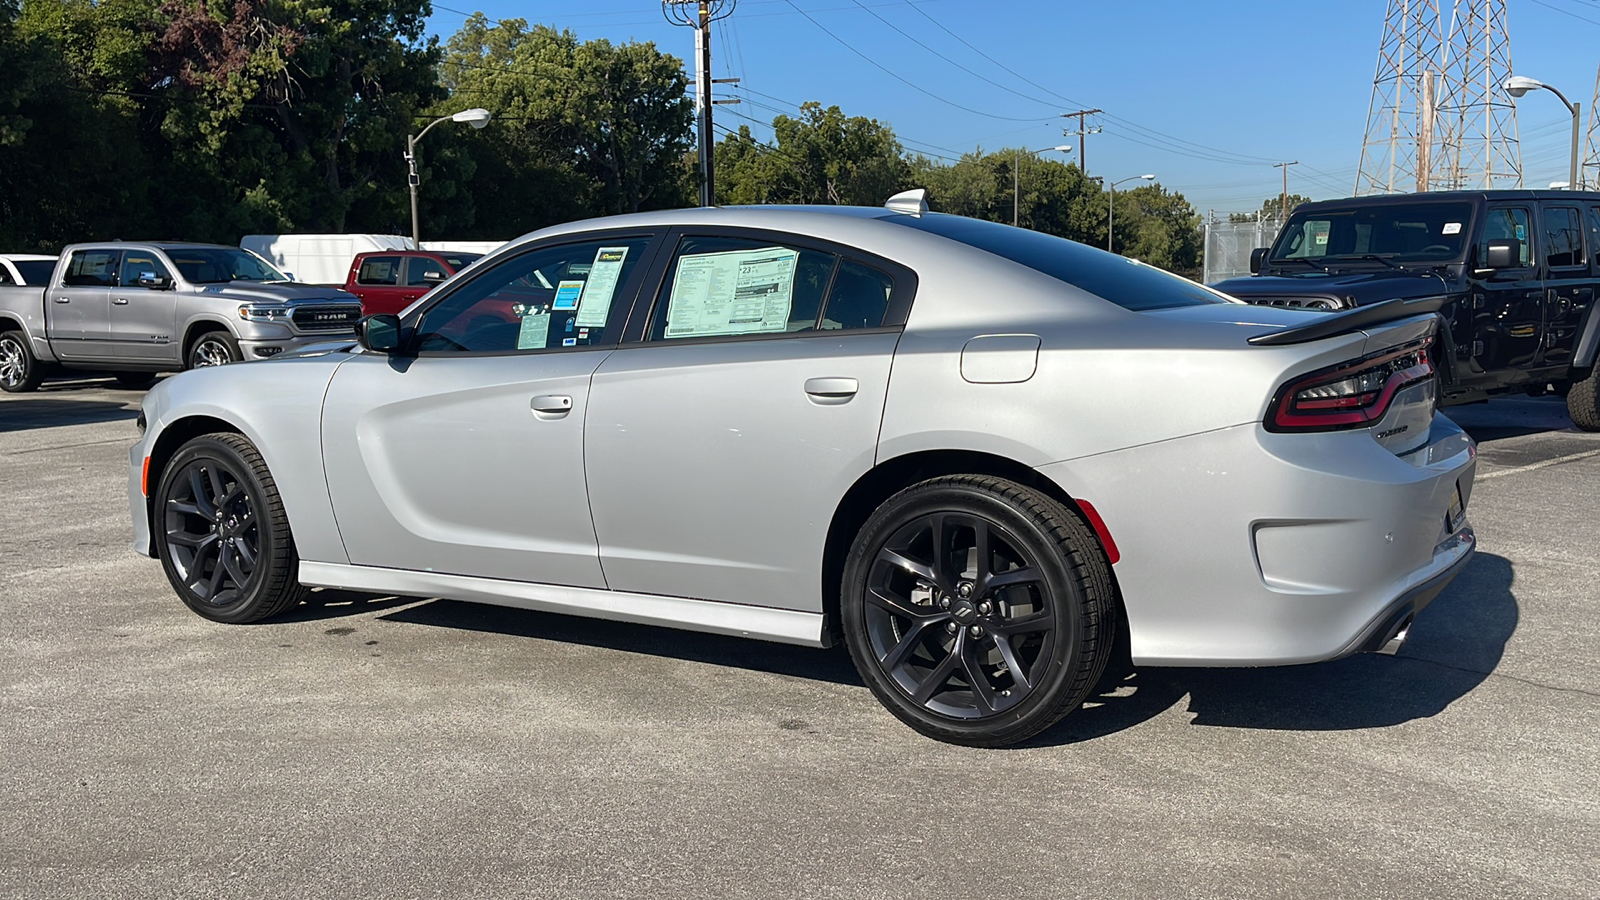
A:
979, 611
1583, 401
222, 534
19, 370
214, 348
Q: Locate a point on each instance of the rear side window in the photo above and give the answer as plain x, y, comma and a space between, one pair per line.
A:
727, 287
36, 271
92, 268
1592, 217
1563, 237
379, 270
1128, 283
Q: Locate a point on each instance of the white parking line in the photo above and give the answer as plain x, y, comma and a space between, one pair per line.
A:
1571, 457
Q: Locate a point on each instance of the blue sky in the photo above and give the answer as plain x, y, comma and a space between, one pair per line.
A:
1205, 95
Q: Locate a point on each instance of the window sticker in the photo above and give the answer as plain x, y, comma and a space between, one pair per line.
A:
1521, 232
568, 293
1452, 228
534, 332
569, 342
604, 273
733, 292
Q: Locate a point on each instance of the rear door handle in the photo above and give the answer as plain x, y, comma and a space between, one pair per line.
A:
832, 388
552, 403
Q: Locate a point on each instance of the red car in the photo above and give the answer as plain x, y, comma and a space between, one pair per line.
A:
387, 281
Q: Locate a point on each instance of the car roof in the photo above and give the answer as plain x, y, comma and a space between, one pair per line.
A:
778, 218
1447, 196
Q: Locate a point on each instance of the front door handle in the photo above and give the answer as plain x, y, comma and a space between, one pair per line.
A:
552, 403
120, 301
836, 390
62, 299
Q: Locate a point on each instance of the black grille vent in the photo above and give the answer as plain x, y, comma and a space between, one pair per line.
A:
329, 318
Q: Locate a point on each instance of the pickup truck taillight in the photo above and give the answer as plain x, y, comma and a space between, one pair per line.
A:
1349, 395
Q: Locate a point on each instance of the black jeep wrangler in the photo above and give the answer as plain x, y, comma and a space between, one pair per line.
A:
1518, 271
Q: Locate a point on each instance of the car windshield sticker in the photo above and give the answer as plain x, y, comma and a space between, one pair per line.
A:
534, 331
1452, 228
735, 292
604, 274
568, 294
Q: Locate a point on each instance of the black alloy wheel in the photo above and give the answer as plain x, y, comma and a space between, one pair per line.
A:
221, 532
978, 610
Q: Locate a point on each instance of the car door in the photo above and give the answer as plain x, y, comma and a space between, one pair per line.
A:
1507, 304
1570, 298
719, 446
144, 319
80, 307
377, 284
464, 455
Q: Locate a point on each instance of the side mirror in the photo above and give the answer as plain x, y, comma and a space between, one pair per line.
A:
152, 280
1257, 256
433, 276
380, 333
289, 276
1503, 253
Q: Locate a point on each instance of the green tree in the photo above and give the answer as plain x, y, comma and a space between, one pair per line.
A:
822, 156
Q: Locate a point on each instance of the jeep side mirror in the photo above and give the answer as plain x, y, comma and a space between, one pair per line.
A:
1257, 256
380, 333
1503, 253
152, 280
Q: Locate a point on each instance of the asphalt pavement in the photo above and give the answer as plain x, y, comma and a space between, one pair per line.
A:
402, 747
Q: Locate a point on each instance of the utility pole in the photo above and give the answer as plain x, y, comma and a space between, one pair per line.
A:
699, 14
1284, 210
1083, 152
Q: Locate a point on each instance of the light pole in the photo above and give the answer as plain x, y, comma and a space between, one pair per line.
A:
476, 117
1111, 203
1517, 85
1016, 162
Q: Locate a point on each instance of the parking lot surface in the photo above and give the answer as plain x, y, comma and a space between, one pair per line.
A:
405, 747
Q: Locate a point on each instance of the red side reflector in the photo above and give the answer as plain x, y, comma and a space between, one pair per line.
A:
144, 479
1100, 530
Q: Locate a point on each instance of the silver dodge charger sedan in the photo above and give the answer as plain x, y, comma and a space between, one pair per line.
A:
984, 458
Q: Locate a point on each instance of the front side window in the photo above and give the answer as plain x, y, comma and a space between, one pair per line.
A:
1563, 237
1506, 223
379, 271
139, 262
548, 298
425, 272
92, 268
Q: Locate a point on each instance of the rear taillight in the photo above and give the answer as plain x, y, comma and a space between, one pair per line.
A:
1351, 394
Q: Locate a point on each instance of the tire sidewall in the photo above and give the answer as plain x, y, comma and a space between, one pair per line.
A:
1065, 594
245, 607
220, 337
30, 374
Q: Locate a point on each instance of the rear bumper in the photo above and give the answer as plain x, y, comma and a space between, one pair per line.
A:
1241, 547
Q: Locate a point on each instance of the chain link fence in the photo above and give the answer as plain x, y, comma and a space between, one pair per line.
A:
1228, 244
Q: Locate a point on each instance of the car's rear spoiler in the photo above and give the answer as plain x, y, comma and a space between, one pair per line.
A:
1331, 324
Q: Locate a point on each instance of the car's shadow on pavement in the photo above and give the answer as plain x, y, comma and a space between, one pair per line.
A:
1511, 417
52, 412
1454, 645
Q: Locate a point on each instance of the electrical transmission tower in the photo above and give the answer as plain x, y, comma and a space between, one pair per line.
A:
1438, 119
1589, 173
1397, 153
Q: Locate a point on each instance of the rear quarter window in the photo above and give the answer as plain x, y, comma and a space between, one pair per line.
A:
1128, 283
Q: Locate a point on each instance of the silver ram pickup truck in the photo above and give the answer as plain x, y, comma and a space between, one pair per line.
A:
135, 309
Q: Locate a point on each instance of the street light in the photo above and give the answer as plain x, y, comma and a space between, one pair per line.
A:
1111, 203
1016, 162
476, 117
1517, 85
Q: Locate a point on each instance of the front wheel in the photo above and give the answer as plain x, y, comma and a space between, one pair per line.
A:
979, 611
214, 348
222, 534
19, 369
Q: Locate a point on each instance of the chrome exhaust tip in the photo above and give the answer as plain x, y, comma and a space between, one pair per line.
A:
1392, 645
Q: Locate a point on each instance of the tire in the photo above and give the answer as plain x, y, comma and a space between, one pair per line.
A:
213, 348
20, 371
135, 379
955, 656
1583, 401
221, 532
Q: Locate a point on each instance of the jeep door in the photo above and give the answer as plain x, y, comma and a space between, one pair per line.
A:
143, 319
463, 455
79, 308
1507, 312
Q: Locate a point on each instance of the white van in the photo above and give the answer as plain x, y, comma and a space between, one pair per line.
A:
319, 258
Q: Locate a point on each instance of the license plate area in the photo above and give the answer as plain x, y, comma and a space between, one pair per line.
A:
1457, 516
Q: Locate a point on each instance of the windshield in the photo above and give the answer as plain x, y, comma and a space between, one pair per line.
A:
1431, 232
1128, 283
35, 271
213, 265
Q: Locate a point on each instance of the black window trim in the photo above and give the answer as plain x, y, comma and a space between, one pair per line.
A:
903, 288
622, 304
1583, 250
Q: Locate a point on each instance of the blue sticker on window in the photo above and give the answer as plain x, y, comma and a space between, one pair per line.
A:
568, 293
569, 342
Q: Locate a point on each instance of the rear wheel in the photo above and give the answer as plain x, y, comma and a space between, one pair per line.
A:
20, 371
222, 534
214, 348
979, 611
1583, 401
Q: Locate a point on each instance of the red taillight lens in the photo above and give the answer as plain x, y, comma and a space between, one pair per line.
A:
1349, 395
